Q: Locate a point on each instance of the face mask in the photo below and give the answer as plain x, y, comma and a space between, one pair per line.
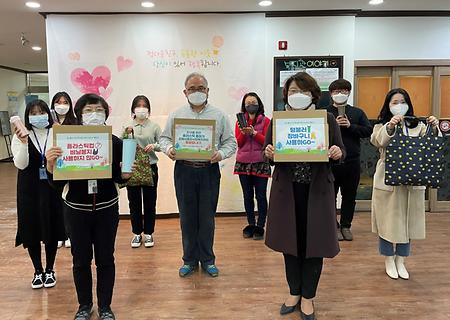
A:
340, 98
39, 121
252, 108
299, 101
399, 109
197, 98
141, 113
61, 109
93, 118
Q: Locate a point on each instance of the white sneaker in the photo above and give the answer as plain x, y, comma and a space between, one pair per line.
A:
67, 243
148, 240
37, 282
50, 279
401, 269
60, 244
136, 241
391, 269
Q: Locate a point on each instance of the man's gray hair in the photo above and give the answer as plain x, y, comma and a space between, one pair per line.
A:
195, 74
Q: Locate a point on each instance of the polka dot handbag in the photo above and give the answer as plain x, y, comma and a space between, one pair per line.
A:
415, 161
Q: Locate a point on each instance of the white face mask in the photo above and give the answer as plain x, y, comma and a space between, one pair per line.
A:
340, 98
93, 119
61, 109
299, 101
399, 109
197, 98
141, 113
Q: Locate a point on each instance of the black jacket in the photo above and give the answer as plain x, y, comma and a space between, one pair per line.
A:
360, 128
77, 196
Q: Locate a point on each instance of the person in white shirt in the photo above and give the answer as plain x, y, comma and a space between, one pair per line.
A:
39, 219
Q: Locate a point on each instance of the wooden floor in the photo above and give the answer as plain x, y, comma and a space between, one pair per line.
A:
251, 284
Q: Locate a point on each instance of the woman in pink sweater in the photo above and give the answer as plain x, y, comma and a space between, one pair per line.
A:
253, 171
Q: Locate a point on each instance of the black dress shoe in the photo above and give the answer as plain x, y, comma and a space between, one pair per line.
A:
84, 312
307, 316
287, 309
248, 231
258, 234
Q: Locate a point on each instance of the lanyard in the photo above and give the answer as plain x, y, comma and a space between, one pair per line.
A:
39, 145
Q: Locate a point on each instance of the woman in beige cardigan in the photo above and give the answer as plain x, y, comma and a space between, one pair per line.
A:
398, 212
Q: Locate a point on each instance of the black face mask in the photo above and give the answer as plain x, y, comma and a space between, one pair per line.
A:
252, 108
411, 122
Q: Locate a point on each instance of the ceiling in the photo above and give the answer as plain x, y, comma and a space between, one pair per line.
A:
16, 18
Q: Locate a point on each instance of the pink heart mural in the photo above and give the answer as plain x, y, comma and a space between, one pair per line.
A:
123, 64
105, 93
237, 93
92, 82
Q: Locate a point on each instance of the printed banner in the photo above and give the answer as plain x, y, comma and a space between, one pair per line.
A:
300, 136
87, 152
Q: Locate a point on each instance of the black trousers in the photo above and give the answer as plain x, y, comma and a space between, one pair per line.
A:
50, 256
93, 233
346, 178
197, 191
147, 195
302, 274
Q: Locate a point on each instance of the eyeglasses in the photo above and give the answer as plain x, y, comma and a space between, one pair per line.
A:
92, 109
196, 89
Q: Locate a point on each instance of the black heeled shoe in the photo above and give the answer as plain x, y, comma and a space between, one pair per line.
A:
307, 316
311, 316
287, 309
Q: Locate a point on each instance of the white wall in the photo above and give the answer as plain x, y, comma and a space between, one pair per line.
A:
309, 36
10, 81
353, 38
402, 38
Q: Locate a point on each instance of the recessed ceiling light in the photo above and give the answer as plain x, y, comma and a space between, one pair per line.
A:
147, 4
33, 5
36, 48
265, 3
375, 2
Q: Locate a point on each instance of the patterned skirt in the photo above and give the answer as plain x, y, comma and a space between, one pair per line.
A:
259, 169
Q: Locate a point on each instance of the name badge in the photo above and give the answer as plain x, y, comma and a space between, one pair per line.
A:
42, 174
92, 186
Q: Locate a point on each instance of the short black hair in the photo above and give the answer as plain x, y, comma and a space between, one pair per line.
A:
260, 103
305, 82
136, 101
89, 98
340, 84
42, 106
385, 113
70, 117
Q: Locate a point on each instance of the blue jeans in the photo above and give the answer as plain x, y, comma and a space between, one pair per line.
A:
251, 186
387, 248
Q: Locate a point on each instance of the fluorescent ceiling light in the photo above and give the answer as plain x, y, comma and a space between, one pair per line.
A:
33, 5
36, 48
265, 3
147, 4
375, 2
